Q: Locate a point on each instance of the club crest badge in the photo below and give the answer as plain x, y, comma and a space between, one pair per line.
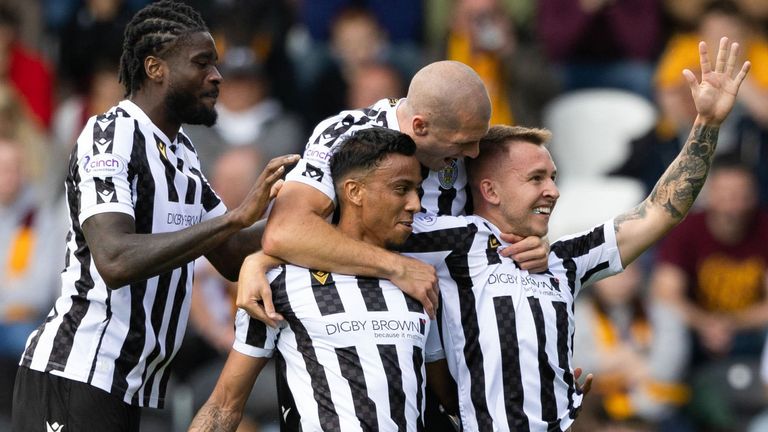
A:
448, 175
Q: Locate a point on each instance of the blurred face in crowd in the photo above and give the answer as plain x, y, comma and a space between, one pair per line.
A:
11, 174
619, 289
373, 83
356, 38
234, 173
731, 202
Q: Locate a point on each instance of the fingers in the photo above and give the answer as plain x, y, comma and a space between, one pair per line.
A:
276, 188
731, 64
722, 55
269, 307
587, 384
511, 238
706, 66
690, 77
256, 310
275, 168
743, 73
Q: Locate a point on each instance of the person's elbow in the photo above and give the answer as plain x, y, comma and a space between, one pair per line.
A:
277, 238
112, 267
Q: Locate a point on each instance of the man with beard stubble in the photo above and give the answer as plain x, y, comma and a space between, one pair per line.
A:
140, 213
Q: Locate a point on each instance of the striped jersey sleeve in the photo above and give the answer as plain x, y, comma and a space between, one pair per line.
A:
587, 256
103, 152
313, 169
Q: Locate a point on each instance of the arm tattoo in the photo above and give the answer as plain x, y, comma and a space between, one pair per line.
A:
681, 183
213, 419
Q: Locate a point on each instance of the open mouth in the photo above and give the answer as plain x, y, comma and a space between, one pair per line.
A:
542, 210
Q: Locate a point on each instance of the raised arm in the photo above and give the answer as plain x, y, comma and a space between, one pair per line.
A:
679, 186
224, 408
122, 256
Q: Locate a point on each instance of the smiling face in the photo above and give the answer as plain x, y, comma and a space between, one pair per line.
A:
193, 83
522, 189
388, 200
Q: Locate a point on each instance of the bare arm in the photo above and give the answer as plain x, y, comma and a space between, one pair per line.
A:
298, 232
442, 384
679, 186
122, 256
224, 408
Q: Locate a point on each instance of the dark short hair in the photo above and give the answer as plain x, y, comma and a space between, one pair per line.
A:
495, 143
365, 149
151, 31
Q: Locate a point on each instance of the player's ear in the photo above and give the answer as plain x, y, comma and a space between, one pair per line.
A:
419, 125
353, 191
155, 68
488, 190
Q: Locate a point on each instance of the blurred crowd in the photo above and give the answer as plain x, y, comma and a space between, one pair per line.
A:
675, 342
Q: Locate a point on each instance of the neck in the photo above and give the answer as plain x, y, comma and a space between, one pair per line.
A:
351, 226
404, 118
154, 107
492, 215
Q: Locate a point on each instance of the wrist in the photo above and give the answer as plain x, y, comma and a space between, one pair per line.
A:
708, 121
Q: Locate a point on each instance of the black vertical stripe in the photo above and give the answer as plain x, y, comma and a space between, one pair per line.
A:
156, 321
563, 352
209, 198
104, 327
424, 175
290, 417
170, 170
418, 363
64, 339
133, 345
321, 391
546, 374
511, 375
352, 371
445, 201
492, 250
140, 171
73, 201
458, 266
256, 334
389, 360
413, 304
373, 297
326, 294
173, 325
104, 137
105, 189
189, 198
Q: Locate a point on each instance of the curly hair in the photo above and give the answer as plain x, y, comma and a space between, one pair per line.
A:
151, 31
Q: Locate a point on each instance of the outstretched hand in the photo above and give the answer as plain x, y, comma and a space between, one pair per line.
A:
715, 95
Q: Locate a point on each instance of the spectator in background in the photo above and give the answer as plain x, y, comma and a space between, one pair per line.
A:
104, 91
262, 26
375, 81
27, 72
602, 43
712, 269
30, 261
482, 35
94, 29
18, 125
637, 348
247, 114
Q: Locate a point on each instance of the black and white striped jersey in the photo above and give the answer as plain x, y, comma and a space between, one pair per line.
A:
351, 353
508, 334
442, 192
122, 340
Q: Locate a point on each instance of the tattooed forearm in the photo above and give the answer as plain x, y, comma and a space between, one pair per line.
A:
213, 419
681, 183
